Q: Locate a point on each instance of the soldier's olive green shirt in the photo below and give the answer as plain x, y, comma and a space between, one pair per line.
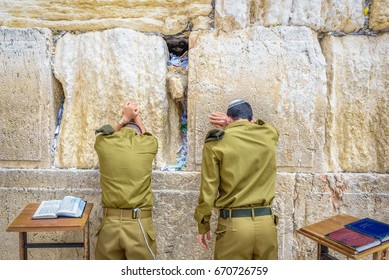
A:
238, 170
126, 160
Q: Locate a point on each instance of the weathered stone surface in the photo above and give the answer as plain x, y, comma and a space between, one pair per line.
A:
379, 15
346, 15
320, 196
230, 15
177, 84
98, 72
167, 17
283, 207
323, 15
357, 131
27, 97
176, 195
201, 22
281, 71
177, 229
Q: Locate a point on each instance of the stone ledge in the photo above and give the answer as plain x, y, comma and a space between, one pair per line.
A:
89, 178
301, 199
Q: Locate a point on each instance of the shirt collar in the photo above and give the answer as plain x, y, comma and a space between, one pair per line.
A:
238, 123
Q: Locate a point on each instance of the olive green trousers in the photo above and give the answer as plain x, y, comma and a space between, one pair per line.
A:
246, 238
123, 239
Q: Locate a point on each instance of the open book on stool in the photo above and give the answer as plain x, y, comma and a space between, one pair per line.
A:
69, 206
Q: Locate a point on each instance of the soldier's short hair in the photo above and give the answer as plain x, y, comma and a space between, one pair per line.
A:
240, 109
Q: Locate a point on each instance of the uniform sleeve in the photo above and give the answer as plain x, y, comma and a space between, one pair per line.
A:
150, 142
271, 127
209, 186
275, 131
97, 144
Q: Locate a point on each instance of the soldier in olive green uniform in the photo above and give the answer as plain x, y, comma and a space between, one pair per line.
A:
125, 156
238, 178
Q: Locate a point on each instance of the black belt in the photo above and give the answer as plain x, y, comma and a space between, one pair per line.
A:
247, 212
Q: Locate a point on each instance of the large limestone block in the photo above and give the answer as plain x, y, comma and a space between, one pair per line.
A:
177, 229
27, 96
357, 130
176, 195
283, 207
379, 15
167, 17
280, 70
323, 15
321, 196
99, 71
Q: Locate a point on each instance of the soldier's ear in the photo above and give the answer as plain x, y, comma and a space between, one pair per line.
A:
229, 120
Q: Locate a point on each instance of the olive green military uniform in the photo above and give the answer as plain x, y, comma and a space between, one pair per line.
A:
238, 177
125, 160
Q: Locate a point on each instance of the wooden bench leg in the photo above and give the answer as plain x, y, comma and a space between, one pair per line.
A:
86, 241
22, 245
323, 253
380, 255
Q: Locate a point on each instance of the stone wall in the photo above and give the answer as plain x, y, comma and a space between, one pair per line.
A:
280, 70
98, 74
320, 15
318, 70
27, 109
167, 17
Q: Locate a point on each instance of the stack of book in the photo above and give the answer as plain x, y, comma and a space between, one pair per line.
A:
361, 234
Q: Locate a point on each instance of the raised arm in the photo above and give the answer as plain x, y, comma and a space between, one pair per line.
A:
219, 119
139, 122
130, 112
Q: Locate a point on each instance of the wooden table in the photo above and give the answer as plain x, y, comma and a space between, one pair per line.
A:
24, 223
318, 231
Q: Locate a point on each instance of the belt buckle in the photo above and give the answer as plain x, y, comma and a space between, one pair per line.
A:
135, 213
225, 213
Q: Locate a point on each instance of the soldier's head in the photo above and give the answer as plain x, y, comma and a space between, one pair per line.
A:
134, 127
240, 109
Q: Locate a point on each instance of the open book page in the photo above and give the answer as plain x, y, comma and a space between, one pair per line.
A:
71, 207
47, 209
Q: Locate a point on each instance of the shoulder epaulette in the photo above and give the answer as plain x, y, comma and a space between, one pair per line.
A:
105, 130
260, 122
214, 134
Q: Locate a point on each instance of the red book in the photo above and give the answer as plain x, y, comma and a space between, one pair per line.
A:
353, 239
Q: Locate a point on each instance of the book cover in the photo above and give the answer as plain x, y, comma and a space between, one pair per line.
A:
353, 239
371, 227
